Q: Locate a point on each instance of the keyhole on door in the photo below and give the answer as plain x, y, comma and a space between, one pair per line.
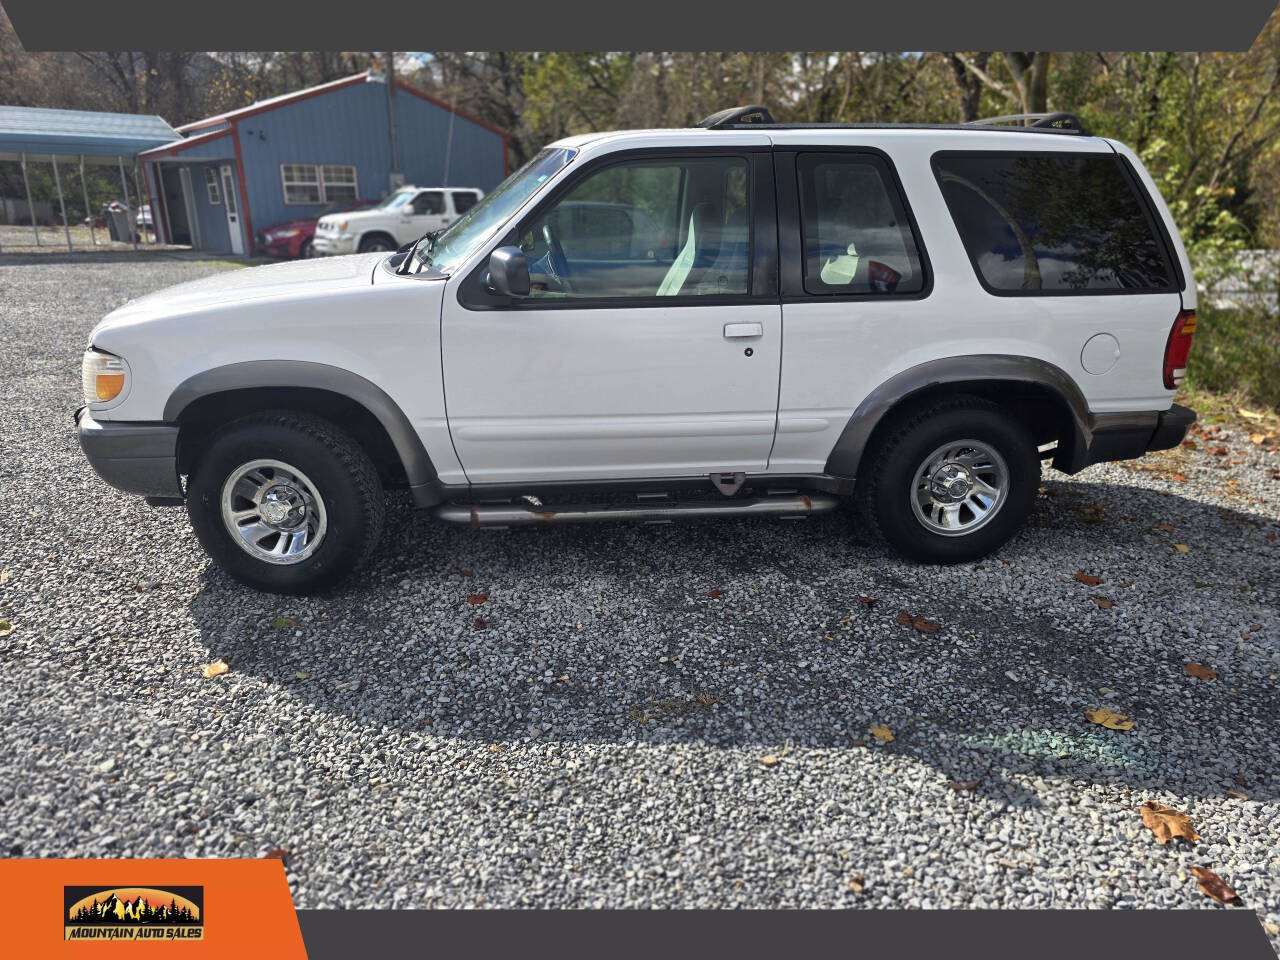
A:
748, 352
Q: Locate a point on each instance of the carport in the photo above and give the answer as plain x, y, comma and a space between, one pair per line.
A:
71, 139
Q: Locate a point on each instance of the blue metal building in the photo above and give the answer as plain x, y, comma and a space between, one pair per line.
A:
293, 156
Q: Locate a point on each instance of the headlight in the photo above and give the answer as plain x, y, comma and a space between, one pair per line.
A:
342, 225
101, 376
281, 234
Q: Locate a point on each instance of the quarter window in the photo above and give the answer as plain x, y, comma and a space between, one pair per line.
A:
1052, 223
857, 239
653, 228
211, 184
310, 183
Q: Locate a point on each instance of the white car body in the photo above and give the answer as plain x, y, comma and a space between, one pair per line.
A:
503, 400
417, 210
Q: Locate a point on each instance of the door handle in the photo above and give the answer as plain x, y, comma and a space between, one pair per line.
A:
734, 331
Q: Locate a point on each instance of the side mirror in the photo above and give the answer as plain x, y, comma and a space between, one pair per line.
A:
509, 272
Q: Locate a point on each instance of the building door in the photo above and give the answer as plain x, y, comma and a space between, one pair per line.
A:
233, 211
189, 204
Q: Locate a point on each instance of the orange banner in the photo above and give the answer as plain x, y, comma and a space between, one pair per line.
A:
182, 908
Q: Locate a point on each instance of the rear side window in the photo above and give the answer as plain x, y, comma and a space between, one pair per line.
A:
1053, 223
857, 239
463, 200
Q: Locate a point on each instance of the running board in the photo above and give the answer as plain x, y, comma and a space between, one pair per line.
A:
787, 506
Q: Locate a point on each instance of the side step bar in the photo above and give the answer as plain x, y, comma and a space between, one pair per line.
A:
788, 506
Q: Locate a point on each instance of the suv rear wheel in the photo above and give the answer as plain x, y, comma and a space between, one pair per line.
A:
285, 502
377, 243
953, 482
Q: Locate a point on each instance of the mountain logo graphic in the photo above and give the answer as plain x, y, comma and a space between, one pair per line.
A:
133, 912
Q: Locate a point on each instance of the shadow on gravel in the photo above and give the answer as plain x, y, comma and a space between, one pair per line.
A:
754, 633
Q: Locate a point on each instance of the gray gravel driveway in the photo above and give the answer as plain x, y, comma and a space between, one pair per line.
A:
638, 716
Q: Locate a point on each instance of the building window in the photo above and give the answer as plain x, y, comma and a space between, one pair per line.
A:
310, 183
338, 183
211, 182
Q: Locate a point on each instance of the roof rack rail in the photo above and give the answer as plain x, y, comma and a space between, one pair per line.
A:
1058, 121
735, 116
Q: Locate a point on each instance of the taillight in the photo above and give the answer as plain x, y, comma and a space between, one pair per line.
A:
1178, 349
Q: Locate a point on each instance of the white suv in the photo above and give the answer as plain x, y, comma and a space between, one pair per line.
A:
742, 319
401, 218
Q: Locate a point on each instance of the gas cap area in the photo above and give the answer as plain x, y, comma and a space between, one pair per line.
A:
1100, 353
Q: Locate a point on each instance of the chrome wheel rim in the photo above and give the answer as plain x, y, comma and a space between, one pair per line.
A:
959, 488
273, 511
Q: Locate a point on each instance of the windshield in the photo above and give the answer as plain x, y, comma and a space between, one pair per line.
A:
397, 199
454, 244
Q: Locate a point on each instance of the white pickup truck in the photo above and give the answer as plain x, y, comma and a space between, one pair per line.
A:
742, 319
401, 218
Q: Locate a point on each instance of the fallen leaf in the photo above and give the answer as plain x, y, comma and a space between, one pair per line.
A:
302, 674
867, 602
215, 669
1212, 885
1200, 671
882, 733
481, 623
1088, 579
1272, 929
1249, 414
1166, 527
1189, 444
1103, 602
475, 599
1179, 478
495, 748
1108, 718
1237, 795
963, 786
768, 760
276, 853
6, 628
464, 573
1167, 823
1182, 548
922, 624
715, 594
1257, 439
563, 678
284, 623
4, 576
1217, 451
856, 884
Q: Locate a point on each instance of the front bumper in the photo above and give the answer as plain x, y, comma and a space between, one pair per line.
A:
1125, 436
328, 246
139, 458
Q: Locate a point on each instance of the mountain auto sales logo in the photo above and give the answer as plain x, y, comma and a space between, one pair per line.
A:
133, 913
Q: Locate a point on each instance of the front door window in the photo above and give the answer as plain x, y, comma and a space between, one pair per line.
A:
657, 228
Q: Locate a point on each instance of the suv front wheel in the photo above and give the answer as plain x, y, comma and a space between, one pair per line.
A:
951, 483
285, 502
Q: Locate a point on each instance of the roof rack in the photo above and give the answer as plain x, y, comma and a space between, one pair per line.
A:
754, 115
1067, 122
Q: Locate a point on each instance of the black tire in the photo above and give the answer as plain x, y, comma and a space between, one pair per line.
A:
378, 243
885, 483
307, 250
335, 465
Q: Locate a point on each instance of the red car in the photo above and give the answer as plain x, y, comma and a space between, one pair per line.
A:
292, 238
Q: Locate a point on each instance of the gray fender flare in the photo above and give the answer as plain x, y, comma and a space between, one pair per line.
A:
985, 369
251, 374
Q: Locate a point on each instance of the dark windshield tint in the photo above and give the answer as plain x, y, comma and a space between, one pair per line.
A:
1052, 222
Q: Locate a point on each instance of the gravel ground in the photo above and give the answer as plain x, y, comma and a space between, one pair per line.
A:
639, 716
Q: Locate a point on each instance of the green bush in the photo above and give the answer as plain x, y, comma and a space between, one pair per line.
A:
1237, 352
